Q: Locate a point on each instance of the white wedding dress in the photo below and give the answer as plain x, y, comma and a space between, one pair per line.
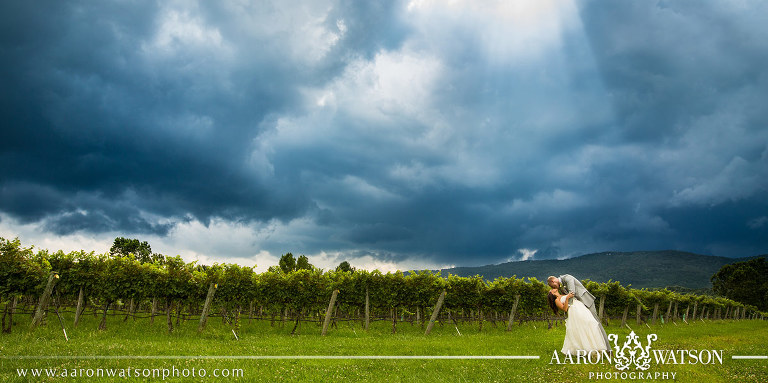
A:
582, 331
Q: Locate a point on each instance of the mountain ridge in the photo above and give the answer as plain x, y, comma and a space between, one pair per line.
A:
640, 269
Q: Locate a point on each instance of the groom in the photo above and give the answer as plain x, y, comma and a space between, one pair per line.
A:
581, 293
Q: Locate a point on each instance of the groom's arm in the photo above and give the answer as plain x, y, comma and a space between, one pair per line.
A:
570, 283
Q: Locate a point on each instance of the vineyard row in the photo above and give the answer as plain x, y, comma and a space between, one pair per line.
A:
78, 279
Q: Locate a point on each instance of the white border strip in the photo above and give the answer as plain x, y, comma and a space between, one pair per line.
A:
749, 357
271, 357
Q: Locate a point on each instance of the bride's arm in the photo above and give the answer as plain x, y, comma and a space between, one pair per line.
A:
561, 305
565, 304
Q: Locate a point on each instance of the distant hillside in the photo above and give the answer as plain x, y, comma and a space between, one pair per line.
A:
650, 269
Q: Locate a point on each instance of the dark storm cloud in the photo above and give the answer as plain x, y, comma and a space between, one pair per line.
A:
459, 133
104, 99
637, 142
672, 62
686, 80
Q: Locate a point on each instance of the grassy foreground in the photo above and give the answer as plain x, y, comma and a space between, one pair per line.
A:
139, 338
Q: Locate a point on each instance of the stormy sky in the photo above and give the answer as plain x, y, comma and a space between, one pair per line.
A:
392, 134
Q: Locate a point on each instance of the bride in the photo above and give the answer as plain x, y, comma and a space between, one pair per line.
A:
582, 331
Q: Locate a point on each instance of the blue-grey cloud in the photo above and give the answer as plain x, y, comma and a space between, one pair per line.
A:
457, 133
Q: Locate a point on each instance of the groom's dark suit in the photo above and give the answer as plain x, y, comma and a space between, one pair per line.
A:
571, 284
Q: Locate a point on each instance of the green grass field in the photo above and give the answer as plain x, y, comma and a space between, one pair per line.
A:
138, 338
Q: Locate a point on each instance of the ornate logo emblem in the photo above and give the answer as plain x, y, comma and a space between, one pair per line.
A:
632, 352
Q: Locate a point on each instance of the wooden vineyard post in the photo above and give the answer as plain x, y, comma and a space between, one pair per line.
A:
5, 313
394, 319
362, 320
685, 316
602, 306
103, 323
655, 312
674, 316
169, 315
435, 312
43, 305
129, 311
480, 319
669, 311
335, 316
418, 316
296, 324
329, 312
13, 311
637, 314
10, 316
367, 310
154, 311
79, 309
695, 306
207, 306
512, 313
624, 317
